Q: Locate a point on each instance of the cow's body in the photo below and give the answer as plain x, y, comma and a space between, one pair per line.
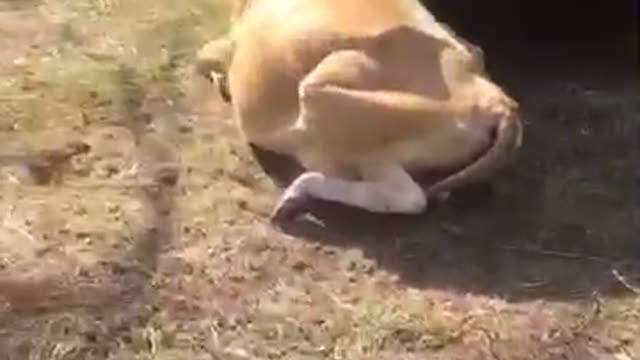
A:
363, 93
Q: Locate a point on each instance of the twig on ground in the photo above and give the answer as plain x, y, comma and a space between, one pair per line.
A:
576, 256
491, 338
581, 326
557, 254
622, 280
9, 223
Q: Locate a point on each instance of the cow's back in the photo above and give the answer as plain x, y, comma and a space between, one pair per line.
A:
279, 42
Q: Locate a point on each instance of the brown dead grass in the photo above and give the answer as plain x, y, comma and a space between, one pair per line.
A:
118, 263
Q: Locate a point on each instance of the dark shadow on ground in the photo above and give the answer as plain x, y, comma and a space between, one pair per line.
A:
554, 227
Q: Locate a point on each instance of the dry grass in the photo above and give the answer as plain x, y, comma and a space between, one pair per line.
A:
118, 263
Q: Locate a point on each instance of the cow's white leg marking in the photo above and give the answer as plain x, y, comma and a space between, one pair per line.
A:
392, 191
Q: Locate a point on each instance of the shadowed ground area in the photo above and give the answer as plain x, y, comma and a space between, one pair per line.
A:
552, 228
153, 241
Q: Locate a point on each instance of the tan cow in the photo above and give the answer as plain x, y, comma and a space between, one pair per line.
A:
363, 93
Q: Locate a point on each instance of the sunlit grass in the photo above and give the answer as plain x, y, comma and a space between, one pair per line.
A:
74, 79
232, 287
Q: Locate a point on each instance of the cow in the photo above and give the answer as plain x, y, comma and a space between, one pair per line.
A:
364, 94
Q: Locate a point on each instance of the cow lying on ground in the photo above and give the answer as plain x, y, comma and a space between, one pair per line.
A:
363, 93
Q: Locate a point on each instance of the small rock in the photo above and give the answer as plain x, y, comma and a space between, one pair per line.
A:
83, 235
185, 128
237, 277
300, 265
113, 208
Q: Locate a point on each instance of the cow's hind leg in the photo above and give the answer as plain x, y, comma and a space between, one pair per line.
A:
390, 191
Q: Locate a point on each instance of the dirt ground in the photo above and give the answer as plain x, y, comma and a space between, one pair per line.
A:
155, 244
